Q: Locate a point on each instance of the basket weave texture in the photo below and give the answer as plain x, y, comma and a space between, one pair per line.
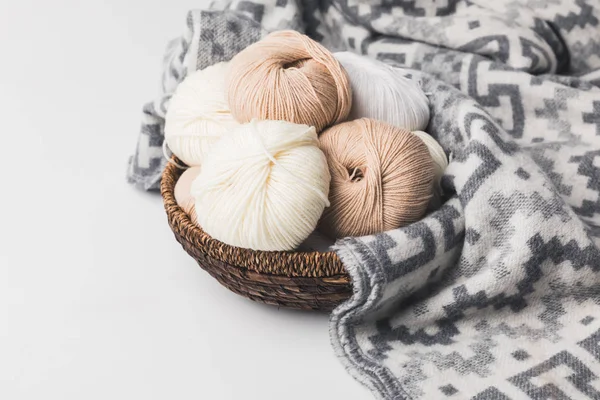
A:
301, 280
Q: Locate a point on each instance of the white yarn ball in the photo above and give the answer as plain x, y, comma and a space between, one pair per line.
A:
264, 186
198, 114
382, 93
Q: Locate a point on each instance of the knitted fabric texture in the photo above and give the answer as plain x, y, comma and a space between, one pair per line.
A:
496, 294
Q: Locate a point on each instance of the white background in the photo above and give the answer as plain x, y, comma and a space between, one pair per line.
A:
97, 299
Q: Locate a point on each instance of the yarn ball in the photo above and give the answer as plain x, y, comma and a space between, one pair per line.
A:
198, 114
381, 178
381, 92
264, 186
183, 195
288, 76
438, 155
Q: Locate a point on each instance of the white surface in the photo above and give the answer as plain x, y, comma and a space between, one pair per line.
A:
97, 300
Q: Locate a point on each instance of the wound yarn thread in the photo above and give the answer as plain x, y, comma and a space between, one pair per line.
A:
288, 76
168, 157
198, 114
264, 186
438, 155
381, 92
381, 178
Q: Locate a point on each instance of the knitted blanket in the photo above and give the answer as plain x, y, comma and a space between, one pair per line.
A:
496, 295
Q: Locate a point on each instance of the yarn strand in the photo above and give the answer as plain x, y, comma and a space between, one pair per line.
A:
165, 149
254, 131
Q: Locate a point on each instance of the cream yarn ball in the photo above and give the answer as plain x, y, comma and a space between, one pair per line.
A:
263, 186
198, 114
382, 93
438, 154
440, 163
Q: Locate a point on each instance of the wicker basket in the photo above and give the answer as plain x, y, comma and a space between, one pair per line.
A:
310, 280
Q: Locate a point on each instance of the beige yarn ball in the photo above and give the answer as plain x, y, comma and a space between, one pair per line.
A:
288, 76
183, 195
381, 178
198, 114
264, 186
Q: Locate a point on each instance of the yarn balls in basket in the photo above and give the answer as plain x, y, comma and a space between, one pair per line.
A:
288, 76
381, 178
264, 186
381, 92
198, 114
183, 195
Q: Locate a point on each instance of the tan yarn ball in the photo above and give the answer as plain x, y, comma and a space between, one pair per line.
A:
183, 195
381, 178
288, 76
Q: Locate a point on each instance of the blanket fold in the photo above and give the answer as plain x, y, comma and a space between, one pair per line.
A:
496, 295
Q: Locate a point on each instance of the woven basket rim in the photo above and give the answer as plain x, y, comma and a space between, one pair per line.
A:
313, 264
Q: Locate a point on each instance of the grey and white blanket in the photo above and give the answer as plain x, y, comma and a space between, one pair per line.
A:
496, 295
